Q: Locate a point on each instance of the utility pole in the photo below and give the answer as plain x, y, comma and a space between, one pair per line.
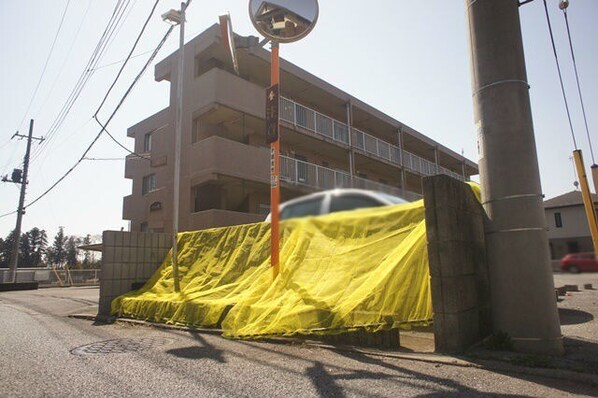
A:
14, 258
174, 17
523, 301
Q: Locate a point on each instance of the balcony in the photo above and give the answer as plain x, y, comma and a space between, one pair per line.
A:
309, 119
298, 172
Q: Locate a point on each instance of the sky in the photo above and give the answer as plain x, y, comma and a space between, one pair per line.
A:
409, 59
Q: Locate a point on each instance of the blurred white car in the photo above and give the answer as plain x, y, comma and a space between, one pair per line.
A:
335, 200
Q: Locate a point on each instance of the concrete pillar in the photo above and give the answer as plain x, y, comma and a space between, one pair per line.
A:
436, 160
523, 300
458, 267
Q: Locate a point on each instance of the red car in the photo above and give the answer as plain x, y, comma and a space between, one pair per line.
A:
578, 262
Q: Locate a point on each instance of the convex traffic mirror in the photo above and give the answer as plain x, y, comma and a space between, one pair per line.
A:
284, 21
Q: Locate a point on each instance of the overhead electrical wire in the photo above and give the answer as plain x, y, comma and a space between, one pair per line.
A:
67, 57
583, 108
87, 73
122, 60
100, 159
41, 77
117, 31
558, 66
95, 115
127, 58
117, 13
8, 214
103, 129
103, 126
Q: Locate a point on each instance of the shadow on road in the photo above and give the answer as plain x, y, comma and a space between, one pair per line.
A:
206, 350
574, 317
323, 381
326, 377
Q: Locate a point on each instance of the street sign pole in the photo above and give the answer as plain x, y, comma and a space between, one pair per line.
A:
274, 162
280, 21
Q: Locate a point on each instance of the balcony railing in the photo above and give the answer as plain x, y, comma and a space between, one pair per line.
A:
311, 120
328, 127
303, 173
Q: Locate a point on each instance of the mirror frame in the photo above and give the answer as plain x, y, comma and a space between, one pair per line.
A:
288, 39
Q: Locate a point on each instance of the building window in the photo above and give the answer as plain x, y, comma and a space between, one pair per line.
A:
147, 142
143, 227
149, 184
558, 221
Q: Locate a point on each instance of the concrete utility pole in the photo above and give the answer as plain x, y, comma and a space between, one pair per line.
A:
174, 17
14, 257
523, 300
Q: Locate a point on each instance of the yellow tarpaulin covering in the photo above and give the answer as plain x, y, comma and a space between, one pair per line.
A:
359, 269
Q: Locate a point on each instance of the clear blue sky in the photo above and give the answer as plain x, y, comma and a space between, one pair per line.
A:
407, 58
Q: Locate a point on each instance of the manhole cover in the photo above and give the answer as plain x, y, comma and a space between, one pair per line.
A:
120, 346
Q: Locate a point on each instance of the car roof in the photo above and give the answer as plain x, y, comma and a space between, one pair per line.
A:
381, 196
332, 192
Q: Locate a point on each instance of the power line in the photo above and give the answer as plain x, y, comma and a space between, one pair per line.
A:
66, 58
8, 214
127, 59
118, 142
103, 129
560, 75
583, 108
46, 63
85, 76
121, 61
94, 159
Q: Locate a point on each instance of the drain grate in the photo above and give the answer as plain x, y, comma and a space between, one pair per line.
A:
121, 346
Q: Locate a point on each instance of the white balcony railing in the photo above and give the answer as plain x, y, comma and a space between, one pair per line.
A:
311, 120
303, 173
328, 127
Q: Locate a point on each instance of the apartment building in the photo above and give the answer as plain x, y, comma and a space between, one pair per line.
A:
328, 139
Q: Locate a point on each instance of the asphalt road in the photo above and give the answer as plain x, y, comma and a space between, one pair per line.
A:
45, 353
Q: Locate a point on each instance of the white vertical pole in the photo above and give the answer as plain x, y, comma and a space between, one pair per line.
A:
177, 150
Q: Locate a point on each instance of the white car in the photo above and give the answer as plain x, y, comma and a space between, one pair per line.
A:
335, 200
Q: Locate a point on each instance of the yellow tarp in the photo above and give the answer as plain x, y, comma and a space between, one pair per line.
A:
365, 268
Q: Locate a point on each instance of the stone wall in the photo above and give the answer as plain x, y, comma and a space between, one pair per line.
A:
458, 267
128, 260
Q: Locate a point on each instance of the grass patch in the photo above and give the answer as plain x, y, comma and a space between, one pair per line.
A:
499, 341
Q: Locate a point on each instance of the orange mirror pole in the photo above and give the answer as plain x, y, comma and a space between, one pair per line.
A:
275, 173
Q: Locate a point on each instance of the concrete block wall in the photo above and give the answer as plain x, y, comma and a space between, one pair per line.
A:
128, 258
458, 267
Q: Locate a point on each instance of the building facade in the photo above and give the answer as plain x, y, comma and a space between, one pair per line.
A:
328, 139
568, 230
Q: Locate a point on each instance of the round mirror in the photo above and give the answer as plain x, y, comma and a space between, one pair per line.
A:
284, 21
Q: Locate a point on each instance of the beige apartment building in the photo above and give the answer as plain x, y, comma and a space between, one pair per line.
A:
328, 139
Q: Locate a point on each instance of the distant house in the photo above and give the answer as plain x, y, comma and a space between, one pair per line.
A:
568, 230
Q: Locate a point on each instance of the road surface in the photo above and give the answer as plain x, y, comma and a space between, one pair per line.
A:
43, 352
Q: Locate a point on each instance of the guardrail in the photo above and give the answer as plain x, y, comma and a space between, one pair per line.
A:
328, 127
312, 175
